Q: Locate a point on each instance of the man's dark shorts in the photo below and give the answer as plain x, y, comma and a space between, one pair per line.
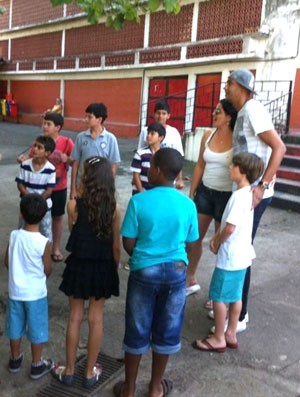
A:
211, 202
59, 199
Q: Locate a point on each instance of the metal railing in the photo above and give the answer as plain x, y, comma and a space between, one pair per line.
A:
201, 101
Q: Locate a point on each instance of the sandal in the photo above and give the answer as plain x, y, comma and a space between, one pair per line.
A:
167, 386
90, 382
58, 373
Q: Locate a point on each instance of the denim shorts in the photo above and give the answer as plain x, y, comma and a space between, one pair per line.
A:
29, 318
227, 286
211, 202
155, 306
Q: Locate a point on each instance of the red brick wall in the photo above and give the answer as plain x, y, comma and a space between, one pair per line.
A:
34, 97
73, 9
28, 12
3, 88
121, 96
215, 48
3, 49
170, 28
98, 38
4, 19
219, 18
39, 46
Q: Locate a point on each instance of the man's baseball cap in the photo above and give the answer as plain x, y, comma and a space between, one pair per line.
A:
244, 78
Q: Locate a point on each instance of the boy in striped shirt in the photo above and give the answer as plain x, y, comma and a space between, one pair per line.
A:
141, 160
37, 175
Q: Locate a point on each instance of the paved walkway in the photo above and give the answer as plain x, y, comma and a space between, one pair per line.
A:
267, 364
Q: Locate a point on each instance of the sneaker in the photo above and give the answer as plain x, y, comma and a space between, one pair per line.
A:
241, 325
41, 370
14, 364
192, 289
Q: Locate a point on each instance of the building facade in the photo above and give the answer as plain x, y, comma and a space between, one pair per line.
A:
48, 52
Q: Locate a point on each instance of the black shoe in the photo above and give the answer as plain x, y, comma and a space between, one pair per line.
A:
14, 364
41, 370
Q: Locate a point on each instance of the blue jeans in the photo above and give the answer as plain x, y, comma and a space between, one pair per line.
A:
155, 306
258, 213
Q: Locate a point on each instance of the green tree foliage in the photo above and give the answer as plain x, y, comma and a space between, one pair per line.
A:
116, 12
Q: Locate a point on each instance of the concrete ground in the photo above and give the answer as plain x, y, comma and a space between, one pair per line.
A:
267, 363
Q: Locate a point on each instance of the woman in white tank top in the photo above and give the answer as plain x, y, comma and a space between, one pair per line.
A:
211, 186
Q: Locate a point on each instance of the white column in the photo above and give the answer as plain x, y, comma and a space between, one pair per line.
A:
147, 30
195, 21
62, 93
190, 101
144, 101
63, 42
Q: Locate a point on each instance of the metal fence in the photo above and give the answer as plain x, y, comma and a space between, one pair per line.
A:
201, 101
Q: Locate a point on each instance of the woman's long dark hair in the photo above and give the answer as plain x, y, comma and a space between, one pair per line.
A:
230, 110
97, 190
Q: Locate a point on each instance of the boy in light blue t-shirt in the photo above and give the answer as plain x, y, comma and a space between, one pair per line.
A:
159, 226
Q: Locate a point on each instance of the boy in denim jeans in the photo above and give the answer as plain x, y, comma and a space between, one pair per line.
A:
158, 228
29, 264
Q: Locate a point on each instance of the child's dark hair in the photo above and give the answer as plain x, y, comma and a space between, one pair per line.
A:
230, 110
98, 192
170, 162
98, 110
55, 117
249, 164
160, 129
162, 105
47, 142
33, 208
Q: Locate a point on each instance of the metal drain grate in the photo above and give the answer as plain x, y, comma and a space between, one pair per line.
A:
111, 368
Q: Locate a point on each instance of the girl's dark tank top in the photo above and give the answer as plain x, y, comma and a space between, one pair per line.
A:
83, 242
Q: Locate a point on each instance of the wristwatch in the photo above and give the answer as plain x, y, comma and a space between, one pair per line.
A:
265, 185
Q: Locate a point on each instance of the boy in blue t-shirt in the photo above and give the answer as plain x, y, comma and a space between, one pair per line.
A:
158, 228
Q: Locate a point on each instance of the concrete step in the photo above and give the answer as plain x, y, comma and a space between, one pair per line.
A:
289, 173
292, 149
287, 186
291, 138
286, 201
291, 160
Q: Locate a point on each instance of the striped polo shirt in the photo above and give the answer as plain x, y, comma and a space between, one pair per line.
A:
37, 181
141, 164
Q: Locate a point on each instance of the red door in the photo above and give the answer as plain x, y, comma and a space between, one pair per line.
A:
207, 96
172, 90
